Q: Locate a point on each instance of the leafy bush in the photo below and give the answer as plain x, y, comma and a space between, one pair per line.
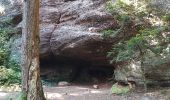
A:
9, 76
150, 37
143, 41
9, 70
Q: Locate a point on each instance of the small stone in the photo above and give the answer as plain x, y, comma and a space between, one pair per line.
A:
92, 29
65, 94
63, 83
95, 86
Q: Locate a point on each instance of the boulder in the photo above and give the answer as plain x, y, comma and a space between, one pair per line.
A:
156, 73
63, 83
129, 71
96, 86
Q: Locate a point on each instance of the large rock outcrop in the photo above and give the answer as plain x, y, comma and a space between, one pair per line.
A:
70, 32
156, 73
70, 28
69, 36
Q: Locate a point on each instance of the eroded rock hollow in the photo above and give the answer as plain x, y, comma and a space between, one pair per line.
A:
70, 35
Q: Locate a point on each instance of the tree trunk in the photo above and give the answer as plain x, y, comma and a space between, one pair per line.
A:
142, 67
31, 82
143, 74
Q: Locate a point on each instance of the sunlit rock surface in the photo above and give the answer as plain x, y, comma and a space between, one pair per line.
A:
156, 73
71, 29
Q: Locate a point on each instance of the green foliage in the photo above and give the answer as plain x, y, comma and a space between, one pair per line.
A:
5, 23
9, 76
109, 33
150, 37
9, 70
18, 96
122, 13
22, 96
124, 23
118, 6
116, 89
146, 40
166, 17
3, 46
127, 7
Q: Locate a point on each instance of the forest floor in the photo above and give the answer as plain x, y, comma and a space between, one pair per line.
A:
87, 92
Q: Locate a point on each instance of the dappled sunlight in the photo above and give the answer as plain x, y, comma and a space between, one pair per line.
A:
150, 93
82, 88
155, 20
134, 66
57, 96
2, 10
166, 34
74, 94
154, 42
67, 92
96, 92
79, 93
59, 87
86, 92
2, 94
128, 2
12, 88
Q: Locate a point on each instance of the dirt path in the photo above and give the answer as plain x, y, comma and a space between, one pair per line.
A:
85, 93
88, 93
76, 93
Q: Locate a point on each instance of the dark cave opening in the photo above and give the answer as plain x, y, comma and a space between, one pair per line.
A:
74, 71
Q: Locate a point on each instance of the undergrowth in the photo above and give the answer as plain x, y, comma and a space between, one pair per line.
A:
10, 72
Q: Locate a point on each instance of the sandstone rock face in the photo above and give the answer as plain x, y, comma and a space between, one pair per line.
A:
70, 28
11, 7
131, 70
157, 74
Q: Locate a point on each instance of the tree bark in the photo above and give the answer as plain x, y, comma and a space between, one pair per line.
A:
31, 82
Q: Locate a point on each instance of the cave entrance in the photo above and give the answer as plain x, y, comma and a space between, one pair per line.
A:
74, 71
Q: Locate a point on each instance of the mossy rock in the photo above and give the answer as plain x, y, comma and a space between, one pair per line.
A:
119, 89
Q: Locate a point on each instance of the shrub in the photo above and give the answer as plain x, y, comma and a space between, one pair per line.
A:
149, 36
9, 76
9, 70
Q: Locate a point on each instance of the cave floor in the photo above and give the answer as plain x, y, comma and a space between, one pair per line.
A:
87, 92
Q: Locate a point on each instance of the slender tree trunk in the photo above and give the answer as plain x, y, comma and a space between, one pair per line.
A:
143, 74
31, 82
143, 68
